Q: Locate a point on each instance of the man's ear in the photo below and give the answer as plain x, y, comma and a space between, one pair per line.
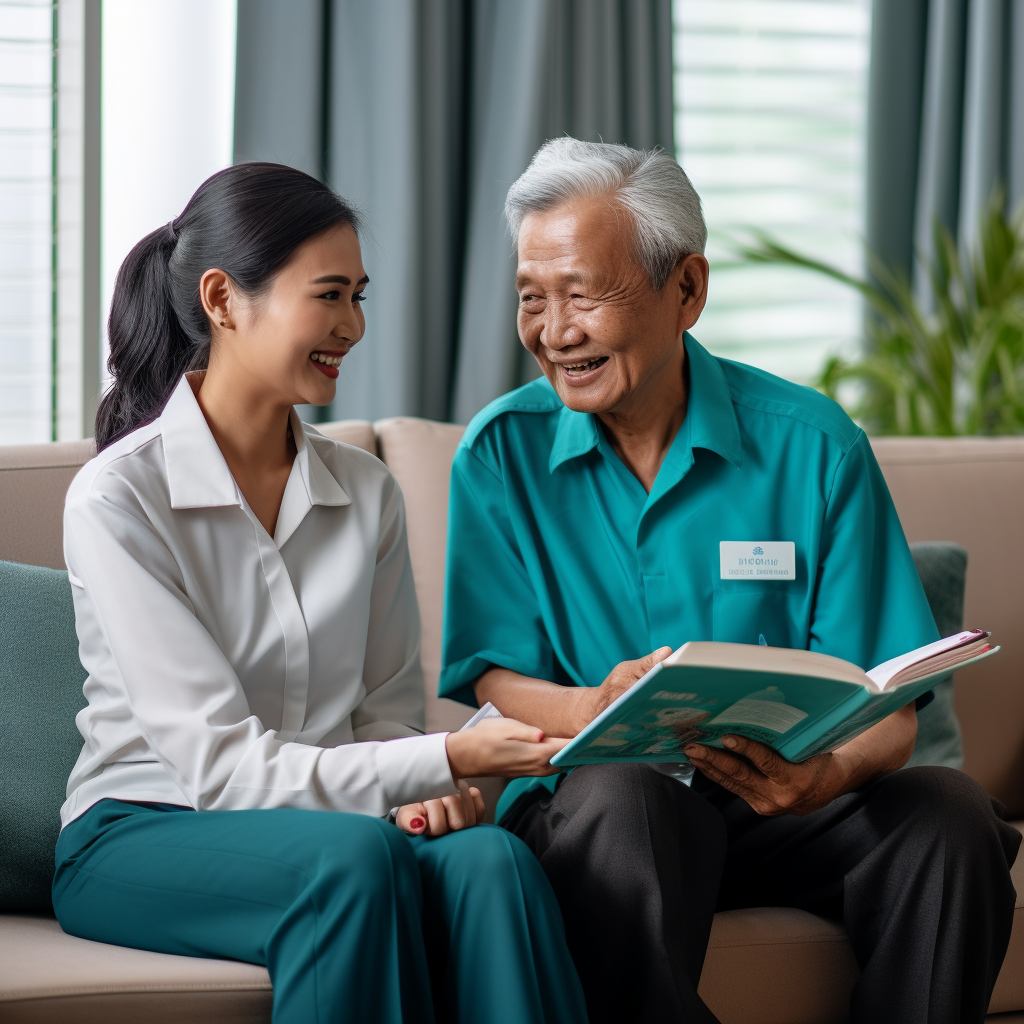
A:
690, 277
217, 293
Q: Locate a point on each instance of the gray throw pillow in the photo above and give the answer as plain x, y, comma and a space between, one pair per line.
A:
40, 693
943, 571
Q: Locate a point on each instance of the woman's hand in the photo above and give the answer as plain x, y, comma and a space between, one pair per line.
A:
448, 814
501, 746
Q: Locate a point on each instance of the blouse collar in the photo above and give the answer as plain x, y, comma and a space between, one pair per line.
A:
198, 475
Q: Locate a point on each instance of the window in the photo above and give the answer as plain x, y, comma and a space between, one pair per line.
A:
45, 220
168, 114
167, 121
28, 162
770, 100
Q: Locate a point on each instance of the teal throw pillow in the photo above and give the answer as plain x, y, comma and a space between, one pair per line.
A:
40, 693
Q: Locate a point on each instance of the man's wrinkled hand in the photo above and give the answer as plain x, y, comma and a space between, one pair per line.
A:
594, 700
769, 783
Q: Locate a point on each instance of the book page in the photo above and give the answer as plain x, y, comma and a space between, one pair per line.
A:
885, 674
753, 657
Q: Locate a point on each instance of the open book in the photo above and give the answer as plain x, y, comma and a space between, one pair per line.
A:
801, 703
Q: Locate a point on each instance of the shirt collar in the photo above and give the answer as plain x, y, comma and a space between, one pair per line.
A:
198, 476
576, 435
710, 417
321, 486
709, 408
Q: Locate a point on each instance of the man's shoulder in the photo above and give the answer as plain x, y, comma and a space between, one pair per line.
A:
527, 408
763, 394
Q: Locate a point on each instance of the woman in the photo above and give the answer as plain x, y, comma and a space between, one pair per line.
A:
245, 610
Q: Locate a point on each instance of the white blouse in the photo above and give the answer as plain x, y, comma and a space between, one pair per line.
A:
230, 669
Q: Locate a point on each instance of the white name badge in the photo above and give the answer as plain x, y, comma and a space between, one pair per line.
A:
757, 559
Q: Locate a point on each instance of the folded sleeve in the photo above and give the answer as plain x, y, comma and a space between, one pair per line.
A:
491, 612
869, 605
135, 620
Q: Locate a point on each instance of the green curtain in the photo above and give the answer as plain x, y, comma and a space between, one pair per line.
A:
945, 122
422, 113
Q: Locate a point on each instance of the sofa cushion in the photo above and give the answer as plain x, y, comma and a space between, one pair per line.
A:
769, 965
1009, 990
943, 571
775, 965
40, 693
48, 976
795, 968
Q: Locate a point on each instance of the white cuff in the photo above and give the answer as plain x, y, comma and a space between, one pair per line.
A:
415, 768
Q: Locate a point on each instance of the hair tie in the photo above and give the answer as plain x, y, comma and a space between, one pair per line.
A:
172, 231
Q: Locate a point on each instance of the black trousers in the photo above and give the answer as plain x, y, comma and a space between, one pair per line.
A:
916, 865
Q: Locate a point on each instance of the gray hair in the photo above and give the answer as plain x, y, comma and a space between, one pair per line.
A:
665, 208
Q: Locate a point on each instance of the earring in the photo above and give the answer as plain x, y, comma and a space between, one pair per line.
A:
223, 323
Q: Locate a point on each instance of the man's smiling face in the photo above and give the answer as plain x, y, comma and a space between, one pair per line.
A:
587, 311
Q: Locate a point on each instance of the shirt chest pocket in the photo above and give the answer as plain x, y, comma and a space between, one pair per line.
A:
746, 613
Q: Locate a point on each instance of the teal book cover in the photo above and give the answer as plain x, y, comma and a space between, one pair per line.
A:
800, 703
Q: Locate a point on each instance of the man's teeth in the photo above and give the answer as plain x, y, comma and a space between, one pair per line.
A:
583, 367
319, 357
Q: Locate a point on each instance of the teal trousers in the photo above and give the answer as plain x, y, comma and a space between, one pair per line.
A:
354, 920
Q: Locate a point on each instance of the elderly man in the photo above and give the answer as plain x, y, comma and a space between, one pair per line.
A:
587, 509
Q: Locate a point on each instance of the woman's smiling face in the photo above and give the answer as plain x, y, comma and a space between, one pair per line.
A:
587, 310
291, 339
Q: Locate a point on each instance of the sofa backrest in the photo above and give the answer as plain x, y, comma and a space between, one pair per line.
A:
969, 490
35, 477
420, 453
33, 481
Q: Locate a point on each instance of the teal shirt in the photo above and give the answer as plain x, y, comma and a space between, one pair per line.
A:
560, 564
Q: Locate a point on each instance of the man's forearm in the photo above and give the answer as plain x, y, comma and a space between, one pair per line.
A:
564, 710
884, 748
558, 710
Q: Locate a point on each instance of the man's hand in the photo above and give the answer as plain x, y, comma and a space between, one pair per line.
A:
769, 783
595, 699
447, 814
559, 710
772, 785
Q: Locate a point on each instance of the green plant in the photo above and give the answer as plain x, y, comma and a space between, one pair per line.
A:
956, 370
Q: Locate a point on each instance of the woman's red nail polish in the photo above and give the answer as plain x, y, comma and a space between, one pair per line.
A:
417, 823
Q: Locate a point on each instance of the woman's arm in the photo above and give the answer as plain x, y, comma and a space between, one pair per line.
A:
392, 676
187, 701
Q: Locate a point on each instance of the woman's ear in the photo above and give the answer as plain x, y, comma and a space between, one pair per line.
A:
217, 293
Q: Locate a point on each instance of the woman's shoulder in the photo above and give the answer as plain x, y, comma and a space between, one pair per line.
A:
131, 463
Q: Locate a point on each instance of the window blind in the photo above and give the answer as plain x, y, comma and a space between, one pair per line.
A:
28, 151
770, 102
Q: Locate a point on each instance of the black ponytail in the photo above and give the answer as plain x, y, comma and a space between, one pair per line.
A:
247, 220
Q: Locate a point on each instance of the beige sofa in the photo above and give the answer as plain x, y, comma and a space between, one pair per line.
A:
764, 966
